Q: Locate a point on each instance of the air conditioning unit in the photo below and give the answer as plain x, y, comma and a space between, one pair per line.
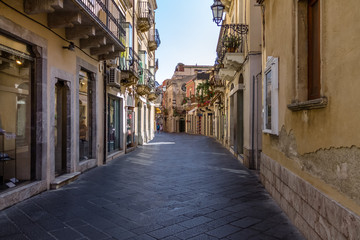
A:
114, 77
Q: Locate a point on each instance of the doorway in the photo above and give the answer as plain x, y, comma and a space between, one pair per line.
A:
182, 125
62, 130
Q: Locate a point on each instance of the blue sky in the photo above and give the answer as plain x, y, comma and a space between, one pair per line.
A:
188, 35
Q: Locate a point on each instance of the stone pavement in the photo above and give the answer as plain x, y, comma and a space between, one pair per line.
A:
177, 187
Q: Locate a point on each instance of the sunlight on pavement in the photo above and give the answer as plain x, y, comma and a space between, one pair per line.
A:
160, 143
215, 153
140, 161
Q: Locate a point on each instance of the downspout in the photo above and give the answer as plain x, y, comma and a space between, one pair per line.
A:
105, 93
252, 165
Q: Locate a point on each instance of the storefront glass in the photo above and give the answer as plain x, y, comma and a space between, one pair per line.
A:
85, 137
16, 65
114, 124
130, 136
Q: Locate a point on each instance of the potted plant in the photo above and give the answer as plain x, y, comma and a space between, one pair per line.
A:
231, 42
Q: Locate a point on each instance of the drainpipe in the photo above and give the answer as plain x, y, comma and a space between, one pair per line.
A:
252, 165
133, 32
105, 93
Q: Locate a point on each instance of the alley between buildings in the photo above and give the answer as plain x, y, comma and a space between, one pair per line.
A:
178, 186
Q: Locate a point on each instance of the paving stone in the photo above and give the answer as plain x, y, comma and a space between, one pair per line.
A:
7, 228
119, 233
147, 229
246, 222
218, 214
17, 236
244, 234
222, 221
91, 233
203, 237
186, 190
51, 224
75, 223
193, 231
195, 222
142, 237
167, 231
66, 234
223, 231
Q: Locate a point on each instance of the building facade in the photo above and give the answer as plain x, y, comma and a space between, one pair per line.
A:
68, 101
310, 156
236, 80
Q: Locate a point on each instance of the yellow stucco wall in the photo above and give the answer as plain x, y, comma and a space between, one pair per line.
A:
321, 145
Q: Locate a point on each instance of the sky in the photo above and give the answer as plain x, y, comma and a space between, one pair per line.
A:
187, 33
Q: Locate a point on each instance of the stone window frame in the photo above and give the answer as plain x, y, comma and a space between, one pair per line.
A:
272, 65
83, 65
39, 94
301, 99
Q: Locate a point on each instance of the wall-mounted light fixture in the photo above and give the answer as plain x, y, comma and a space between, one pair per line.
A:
71, 46
19, 61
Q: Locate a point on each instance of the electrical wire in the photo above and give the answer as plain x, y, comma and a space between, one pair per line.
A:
14, 9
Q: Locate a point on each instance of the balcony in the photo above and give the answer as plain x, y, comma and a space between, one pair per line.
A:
217, 82
156, 64
129, 65
96, 23
231, 49
145, 16
152, 95
154, 39
142, 86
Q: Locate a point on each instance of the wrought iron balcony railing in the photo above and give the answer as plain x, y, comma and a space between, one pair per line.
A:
232, 38
151, 81
144, 77
130, 63
96, 23
145, 16
108, 15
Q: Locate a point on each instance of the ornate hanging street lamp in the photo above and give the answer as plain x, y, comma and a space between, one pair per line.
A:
217, 10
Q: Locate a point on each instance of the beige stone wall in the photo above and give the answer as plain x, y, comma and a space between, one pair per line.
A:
319, 145
315, 214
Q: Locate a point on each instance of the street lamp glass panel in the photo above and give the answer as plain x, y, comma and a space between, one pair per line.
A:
217, 11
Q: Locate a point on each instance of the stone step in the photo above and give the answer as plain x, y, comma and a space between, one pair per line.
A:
64, 179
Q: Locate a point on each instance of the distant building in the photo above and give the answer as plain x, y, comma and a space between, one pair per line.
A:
175, 112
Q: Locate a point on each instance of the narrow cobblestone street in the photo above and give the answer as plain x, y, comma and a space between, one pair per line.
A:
176, 187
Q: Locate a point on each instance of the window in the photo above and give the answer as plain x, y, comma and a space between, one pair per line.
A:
270, 103
114, 124
16, 113
85, 107
313, 49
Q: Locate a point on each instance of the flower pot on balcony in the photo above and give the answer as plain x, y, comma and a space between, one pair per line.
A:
231, 49
141, 89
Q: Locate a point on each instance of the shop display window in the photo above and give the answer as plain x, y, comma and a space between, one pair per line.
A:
114, 126
16, 66
85, 107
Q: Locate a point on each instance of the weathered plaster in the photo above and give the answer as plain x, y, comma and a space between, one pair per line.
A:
338, 167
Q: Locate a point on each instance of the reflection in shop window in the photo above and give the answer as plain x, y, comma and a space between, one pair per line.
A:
15, 113
114, 124
85, 137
